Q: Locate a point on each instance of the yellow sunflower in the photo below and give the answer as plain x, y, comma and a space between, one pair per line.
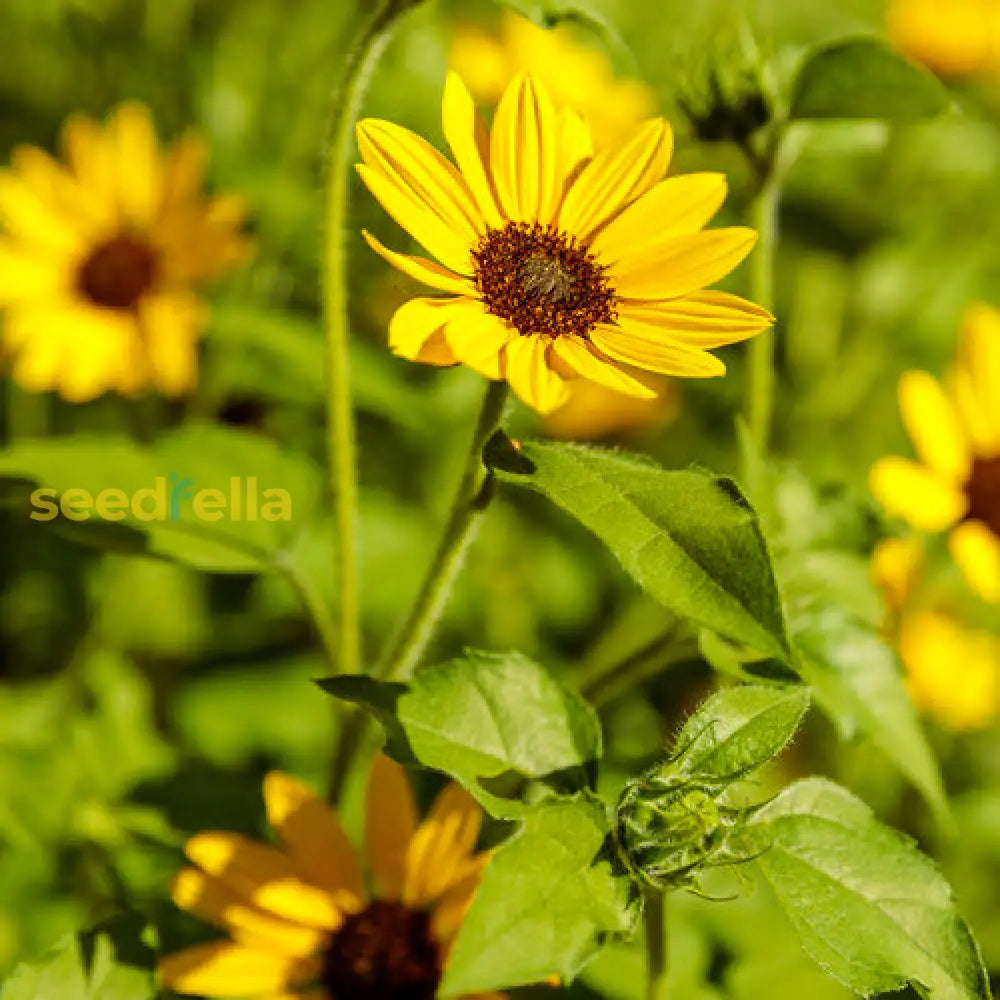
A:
301, 923
957, 38
99, 256
955, 486
558, 262
575, 75
952, 671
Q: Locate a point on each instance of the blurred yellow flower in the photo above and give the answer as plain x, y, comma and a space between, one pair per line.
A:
952, 672
593, 412
301, 922
100, 255
559, 263
954, 38
955, 486
578, 77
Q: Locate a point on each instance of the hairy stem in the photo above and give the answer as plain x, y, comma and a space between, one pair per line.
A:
404, 655
760, 382
657, 958
358, 64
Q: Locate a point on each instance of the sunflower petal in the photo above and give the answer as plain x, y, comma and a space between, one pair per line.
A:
390, 823
420, 222
88, 152
977, 551
933, 426
677, 206
171, 324
416, 321
213, 901
100, 354
478, 341
314, 838
586, 362
222, 969
647, 347
451, 909
682, 265
28, 275
896, 567
701, 319
533, 379
184, 172
36, 221
576, 146
469, 140
983, 430
615, 178
264, 876
915, 494
524, 152
421, 269
979, 356
136, 161
440, 850
420, 173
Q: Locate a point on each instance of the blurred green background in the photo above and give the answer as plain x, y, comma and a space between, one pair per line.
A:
142, 701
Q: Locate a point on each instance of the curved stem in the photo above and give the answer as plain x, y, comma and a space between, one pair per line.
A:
657, 959
315, 606
760, 382
358, 65
473, 495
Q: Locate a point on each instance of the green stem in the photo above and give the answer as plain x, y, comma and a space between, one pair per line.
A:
358, 65
406, 651
315, 606
760, 382
657, 959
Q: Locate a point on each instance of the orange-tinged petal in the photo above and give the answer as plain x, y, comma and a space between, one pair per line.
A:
184, 172
677, 206
533, 379
683, 264
421, 269
614, 178
222, 969
420, 222
416, 321
933, 426
524, 152
390, 823
896, 566
212, 900
469, 140
977, 551
441, 848
702, 319
451, 909
589, 364
915, 494
647, 347
314, 838
265, 876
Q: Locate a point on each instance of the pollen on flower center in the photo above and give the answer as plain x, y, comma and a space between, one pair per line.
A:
118, 272
983, 492
541, 281
385, 952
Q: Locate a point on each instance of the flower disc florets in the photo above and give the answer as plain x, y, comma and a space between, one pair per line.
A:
983, 491
542, 281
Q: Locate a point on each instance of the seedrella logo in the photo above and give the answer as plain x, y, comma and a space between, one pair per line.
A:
170, 498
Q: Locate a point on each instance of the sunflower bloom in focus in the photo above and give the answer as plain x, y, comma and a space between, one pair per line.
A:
956, 38
302, 925
99, 256
952, 671
955, 485
576, 76
557, 262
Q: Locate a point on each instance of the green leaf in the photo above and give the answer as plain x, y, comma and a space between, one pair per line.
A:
241, 533
547, 902
738, 730
499, 724
862, 78
869, 907
858, 681
110, 962
688, 538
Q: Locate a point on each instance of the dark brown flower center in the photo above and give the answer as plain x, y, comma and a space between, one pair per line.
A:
118, 273
983, 492
385, 952
541, 281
